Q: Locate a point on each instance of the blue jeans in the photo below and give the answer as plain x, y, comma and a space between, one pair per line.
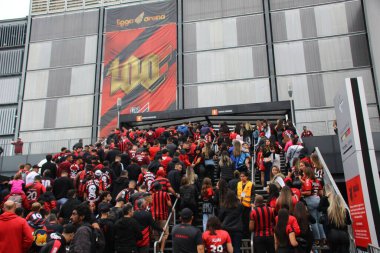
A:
317, 228
236, 238
205, 219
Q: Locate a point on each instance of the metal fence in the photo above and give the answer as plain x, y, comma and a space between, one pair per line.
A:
42, 147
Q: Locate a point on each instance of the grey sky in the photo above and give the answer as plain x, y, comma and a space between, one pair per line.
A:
10, 9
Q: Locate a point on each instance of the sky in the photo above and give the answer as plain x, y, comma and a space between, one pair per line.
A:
10, 9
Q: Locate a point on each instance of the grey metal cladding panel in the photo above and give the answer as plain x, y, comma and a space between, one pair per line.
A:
11, 62
312, 56
7, 116
308, 24
64, 26
355, 18
250, 30
316, 90
359, 50
191, 97
190, 69
190, 37
286, 4
51, 113
9, 90
12, 35
260, 61
59, 82
201, 9
279, 26
239, 7
67, 52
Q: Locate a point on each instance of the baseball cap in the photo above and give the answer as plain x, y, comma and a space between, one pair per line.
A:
186, 213
69, 229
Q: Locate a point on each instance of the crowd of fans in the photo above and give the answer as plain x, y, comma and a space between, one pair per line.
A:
116, 195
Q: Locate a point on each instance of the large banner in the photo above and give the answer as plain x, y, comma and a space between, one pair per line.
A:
140, 61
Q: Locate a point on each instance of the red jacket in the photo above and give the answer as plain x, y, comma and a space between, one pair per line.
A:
18, 237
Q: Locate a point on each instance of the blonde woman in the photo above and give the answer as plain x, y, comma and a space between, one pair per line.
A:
338, 219
191, 176
239, 158
317, 166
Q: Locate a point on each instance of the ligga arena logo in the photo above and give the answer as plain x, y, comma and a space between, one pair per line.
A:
139, 19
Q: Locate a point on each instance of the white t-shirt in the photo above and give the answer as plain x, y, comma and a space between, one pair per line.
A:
30, 177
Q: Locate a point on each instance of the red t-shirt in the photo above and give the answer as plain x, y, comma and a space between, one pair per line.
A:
208, 195
216, 243
34, 191
312, 185
292, 225
153, 151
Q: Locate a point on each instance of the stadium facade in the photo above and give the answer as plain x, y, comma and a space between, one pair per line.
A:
180, 55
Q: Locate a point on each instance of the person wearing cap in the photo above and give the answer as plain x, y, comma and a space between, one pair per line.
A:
57, 242
127, 232
146, 222
30, 177
16, 234
187, 238
107, 226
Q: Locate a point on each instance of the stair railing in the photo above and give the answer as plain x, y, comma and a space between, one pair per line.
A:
172, 214
373, 249
328, 179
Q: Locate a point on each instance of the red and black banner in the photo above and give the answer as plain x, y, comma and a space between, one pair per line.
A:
140, 61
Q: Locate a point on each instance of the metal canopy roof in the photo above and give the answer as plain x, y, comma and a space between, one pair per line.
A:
231, 114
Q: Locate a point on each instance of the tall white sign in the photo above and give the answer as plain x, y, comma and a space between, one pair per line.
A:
359, 162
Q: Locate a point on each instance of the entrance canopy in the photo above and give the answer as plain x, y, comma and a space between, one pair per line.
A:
231, 114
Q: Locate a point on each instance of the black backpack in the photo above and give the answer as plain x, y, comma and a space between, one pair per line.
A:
98, 242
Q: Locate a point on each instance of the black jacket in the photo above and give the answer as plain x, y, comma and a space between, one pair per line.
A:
61, 186
49, 166
231, 219
118, 185
175, 177
126, 233
107, 227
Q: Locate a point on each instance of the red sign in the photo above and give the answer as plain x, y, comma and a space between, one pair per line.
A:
358, 212
140, 61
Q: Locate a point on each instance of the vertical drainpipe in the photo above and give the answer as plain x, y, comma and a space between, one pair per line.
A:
23, 75
271, 66
180, 99
98, 77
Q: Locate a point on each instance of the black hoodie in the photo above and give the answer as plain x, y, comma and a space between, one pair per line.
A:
118, 185
126, 233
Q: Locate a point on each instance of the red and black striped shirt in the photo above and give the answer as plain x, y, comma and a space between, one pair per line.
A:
263, 217
164, 182
160, 209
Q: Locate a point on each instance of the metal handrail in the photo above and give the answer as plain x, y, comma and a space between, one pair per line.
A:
166, 225
328, 179
252, 247
373, 249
